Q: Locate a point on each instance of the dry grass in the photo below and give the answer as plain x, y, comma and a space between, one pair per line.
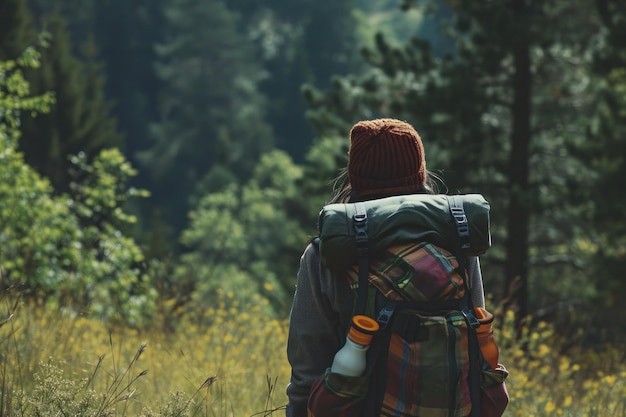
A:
545, 382
231, 366
231, 362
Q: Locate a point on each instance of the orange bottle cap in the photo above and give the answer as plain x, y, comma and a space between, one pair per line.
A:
362, 329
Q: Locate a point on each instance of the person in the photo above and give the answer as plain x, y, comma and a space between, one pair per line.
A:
386, 158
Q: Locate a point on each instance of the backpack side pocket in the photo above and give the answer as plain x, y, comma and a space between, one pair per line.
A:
494, 396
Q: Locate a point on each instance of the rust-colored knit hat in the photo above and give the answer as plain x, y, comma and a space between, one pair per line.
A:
386, 157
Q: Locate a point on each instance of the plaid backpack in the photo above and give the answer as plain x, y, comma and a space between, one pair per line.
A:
425, 360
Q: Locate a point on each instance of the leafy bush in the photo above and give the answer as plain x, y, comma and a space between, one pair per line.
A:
68, 250
244, 241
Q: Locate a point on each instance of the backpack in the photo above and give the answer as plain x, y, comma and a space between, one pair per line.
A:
425, 360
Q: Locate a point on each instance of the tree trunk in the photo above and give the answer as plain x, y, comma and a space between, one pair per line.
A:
519, 202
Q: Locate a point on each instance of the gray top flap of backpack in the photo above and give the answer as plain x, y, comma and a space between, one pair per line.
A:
400, 220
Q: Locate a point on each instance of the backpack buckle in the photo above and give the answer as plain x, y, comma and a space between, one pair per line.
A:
462, 226
470, 318
359, 220
385, 314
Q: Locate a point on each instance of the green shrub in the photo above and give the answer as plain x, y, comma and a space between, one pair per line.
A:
67, 250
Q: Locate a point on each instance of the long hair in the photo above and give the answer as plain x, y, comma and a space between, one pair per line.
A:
342, 190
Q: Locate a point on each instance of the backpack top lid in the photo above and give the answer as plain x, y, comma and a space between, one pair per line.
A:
400, 220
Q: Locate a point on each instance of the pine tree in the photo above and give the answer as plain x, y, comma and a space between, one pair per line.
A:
295, 49
495, 115
211, 124
125, 33
80, 122
16, 29
604, 150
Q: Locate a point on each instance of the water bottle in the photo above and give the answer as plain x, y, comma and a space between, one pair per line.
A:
485, 337
350, 359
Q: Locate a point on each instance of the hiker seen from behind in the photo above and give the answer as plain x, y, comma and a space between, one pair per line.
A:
388, 317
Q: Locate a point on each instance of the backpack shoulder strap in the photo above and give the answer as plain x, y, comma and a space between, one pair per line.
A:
359, 220
458, 213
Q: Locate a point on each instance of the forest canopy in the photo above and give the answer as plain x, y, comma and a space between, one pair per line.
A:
166, 153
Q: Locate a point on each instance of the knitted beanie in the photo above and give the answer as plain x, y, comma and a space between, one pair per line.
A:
386, 157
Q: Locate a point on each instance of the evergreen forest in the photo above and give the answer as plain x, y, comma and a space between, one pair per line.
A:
163, 158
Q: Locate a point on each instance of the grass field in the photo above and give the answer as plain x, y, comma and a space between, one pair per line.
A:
232, 363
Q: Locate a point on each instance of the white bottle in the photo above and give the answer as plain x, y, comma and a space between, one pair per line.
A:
350, 359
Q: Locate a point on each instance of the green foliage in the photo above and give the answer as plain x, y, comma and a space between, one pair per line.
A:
115, 284
321, 174
131, 79
62, 249
226, 71
49, 248
35, 225
210, 112
80, 122
200, 89
495, 123
603, 151
15, 95
243, 241
387, 17
16, 31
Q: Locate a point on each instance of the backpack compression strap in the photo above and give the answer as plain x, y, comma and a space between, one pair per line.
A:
375, 361
476, 360
362, 251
